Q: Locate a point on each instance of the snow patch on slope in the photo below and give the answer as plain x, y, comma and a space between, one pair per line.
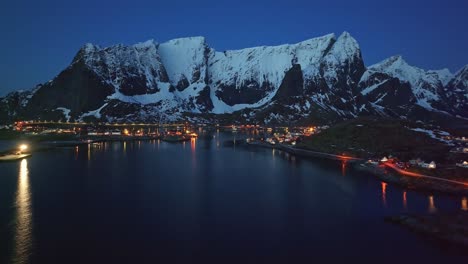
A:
96, 113
425, 85
372, 87
433, 135
262, 64
182, 57
65, 111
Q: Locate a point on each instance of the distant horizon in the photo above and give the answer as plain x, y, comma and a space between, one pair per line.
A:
42, 38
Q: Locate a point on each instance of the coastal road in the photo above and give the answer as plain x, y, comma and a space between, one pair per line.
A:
415, 174
316, 153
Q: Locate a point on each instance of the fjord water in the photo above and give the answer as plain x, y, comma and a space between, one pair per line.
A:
144, 201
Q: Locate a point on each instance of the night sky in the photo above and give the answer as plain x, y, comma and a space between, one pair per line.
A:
40, 38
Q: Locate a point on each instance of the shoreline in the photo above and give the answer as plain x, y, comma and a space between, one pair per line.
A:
445, 227
418, 184
386, 175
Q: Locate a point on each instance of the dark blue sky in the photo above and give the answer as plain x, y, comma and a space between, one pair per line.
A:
40, 38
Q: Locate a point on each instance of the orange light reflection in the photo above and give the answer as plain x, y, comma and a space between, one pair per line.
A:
405, 201
432, 207
384, 193
343, 167
193, 144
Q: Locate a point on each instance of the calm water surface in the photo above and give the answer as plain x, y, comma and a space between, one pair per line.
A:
140, 202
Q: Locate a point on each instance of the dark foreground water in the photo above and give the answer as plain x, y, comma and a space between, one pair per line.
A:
140, 202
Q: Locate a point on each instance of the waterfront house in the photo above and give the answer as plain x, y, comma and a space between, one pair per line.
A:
415, 162
463, 164
271, 141
431, 165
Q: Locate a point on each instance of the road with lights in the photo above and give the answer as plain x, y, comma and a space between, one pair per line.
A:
419, 175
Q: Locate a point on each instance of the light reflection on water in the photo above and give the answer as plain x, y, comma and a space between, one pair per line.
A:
432, 208
384, 193
285, 200
405, 201
343, 168
23, 231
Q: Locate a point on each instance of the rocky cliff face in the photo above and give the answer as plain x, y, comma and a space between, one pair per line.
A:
322, 79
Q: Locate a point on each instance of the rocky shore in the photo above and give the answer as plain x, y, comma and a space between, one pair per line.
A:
386, 175
415, 183
445, 227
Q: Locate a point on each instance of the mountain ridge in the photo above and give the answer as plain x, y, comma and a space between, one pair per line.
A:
322, 78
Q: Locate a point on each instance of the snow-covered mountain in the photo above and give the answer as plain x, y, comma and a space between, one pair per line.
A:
321, 79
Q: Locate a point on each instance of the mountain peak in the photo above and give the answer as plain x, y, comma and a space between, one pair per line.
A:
90, 47
460, 79
395, 61
345, 47
146, 44
444, 75
345, 34
327, 37
85, 50
463, 70
197, 40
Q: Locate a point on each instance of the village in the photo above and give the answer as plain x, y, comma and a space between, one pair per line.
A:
459, 146
254, 133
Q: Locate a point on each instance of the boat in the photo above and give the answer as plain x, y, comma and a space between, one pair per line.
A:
13, 157
174, 138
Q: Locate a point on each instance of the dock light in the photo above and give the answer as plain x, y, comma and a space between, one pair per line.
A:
23, 147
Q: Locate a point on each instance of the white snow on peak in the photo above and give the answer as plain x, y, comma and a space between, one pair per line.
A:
189, 58
116, 63
182, 57
464, 69
426, 85
460, 80
397, 67
343, 50
345, 47
89, 47
444, 75
262, 64
146, 44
